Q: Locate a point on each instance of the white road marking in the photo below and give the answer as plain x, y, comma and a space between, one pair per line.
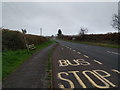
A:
108, 51
62, 48
78, 52
70, 49
74, 50
97, 61
86, 56
116, 71
113, 52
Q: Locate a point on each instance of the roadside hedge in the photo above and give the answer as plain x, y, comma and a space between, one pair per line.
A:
105, 38
13, 40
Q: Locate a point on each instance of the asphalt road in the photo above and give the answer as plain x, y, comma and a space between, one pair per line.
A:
108, 56
72, 68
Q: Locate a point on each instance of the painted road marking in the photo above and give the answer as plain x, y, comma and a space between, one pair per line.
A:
69, 81
70, 48
114, 70
78, 52
86, 56
113, 52
97, 61
103, 78
76, 62
74, 50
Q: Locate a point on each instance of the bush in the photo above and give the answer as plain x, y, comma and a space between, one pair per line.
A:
108, 38
13, 40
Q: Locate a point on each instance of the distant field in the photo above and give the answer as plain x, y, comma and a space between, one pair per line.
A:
11, 60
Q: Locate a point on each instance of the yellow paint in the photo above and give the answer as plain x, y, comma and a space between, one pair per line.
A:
77, 62
116, 71
97, 61
78, 78
85, 63
103, 76
95, 73
86, 56
69, 81
78, 52
106, 85
82, 62
73, 64
74, 50
63, 63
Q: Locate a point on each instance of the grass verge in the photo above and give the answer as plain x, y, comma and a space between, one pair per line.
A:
97, 44
11, 60
49, 68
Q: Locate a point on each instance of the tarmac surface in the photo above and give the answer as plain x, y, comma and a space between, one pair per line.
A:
73, 69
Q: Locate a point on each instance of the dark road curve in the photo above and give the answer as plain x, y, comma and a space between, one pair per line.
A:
102, 54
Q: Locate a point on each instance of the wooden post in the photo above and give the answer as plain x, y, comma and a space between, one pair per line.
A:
24, 31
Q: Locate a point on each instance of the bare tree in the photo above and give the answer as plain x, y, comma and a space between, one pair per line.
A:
83, 31
116, 21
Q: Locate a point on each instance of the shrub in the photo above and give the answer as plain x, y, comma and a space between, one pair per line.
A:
13, 40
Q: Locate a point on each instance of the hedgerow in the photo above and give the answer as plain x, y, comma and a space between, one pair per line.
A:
13, 40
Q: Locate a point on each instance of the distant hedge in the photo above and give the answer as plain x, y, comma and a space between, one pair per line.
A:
109, 37
13, 40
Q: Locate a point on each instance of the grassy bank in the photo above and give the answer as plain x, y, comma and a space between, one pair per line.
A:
11, 60
49, 67
97, 44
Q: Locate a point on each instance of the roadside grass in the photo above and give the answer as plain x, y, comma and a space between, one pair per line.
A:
96, 43
11, 60
49, 68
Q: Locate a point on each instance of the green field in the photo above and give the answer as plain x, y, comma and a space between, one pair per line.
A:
11, 60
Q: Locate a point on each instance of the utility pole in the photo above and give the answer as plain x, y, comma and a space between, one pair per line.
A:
41, 31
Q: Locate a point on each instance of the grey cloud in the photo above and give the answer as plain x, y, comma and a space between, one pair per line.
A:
69, 16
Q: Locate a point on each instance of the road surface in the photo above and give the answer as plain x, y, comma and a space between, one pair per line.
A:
108, 56
73, 68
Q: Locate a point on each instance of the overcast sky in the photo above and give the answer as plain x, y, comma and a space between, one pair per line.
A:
68, 16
